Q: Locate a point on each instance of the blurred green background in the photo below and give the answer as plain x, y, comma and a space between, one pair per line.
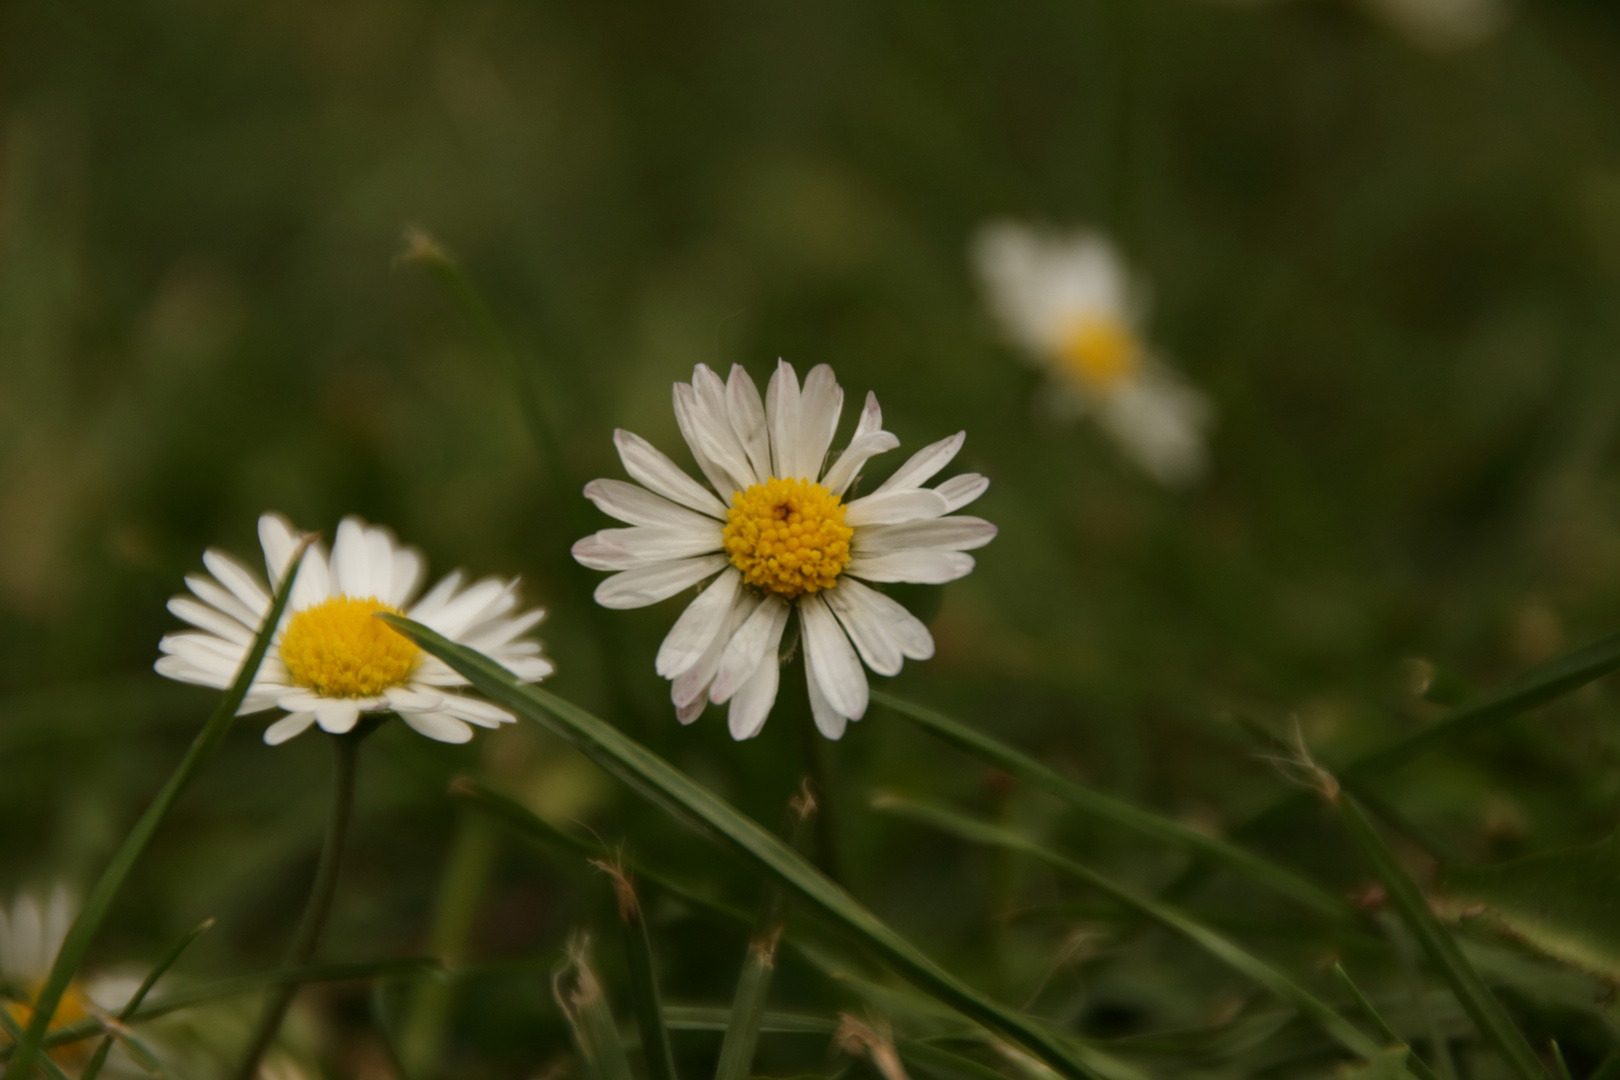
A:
1394, 265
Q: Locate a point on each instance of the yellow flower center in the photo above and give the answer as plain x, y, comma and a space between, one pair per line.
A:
70, 1010
1100, 352
788, 536
338, 650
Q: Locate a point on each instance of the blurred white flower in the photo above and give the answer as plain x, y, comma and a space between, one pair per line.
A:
1067, 301
330, 660
786, 542
1441, 25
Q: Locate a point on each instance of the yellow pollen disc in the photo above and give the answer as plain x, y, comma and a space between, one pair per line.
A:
70, 1010
1100, 352
788, 536
338, 650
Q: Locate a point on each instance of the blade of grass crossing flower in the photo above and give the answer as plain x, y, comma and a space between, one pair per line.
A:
1117, 812
649, 1006
1212, 942
1416, 1064
400, 968
100, 900
51, 1069
676, 793
759, 963
1471, 992
585, 1006
93, 1067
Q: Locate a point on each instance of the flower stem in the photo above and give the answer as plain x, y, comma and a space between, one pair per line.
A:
347, 752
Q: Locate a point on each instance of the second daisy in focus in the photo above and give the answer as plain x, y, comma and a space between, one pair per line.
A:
1068, 301
778, 538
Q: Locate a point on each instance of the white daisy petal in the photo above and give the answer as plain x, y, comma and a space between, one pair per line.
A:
714, 414
351, 563
626, 549
868, 614
299, 699
861, 450
754, 643
947, 534
694, 682
60, 910
692, 709
380, 557
650, 584
279, 540
838, 669
703, 618
748, 420
958, 491
433, 602
1160, 421
409, 568
337, 716
829, 721
174, 667
28, 953
438, 726
662, 476
924, 464
636, 505
820, 405
752, 702
468, 608
400, 698
871, 418
477, 712
924, 567
314, 583
890, 507
288, 727
211, 619
217, 596
702, 441
497, 634
239, 580
782, 420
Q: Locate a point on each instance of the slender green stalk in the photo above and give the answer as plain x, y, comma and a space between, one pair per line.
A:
1118, 812
100, 900
585, 1006
1406, 958
759, 963
1476, 998
1216, 944
461, 890
649, 1005
399, 968
93, 1067
1417, 1065
690, 802
346, 753
1558, 1059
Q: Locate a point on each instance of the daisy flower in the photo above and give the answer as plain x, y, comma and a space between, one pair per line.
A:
330, 660
31, 933
1068, 301
777, 537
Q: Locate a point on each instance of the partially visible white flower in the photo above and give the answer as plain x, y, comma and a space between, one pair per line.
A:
331, 660
1068, 302
778, 539
1442, 25
31, 934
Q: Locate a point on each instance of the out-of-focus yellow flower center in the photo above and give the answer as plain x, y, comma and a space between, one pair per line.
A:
70, 1010
788, 536
1100, 352
338, 650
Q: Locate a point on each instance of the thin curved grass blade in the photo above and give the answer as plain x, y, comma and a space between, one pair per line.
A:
1117, 812
1475, 997
1216, 944
92, 1069
690, 802
100, 900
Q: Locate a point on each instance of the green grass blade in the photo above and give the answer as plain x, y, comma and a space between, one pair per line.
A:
51, 1069
584, 1004
1118, 812
714, 1018
531, 826
404, 967
667, 787
747, 1010
1217, 945
649, 1005
93, 1067
1475, 997
1419, 1068
100, 900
